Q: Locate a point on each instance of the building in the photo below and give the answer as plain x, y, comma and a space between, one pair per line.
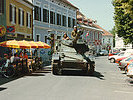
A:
119, 44
19, 22
2, 24
107, 39
15, 21
52, 18
92, 35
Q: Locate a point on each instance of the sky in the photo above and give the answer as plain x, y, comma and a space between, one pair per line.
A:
100, 10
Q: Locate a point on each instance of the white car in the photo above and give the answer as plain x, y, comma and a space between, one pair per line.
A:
114, 57
126, 53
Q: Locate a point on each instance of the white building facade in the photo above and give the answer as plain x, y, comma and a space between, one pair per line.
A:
119, 44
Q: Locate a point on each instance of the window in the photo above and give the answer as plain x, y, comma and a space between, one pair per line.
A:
69, 22
28, 20
109, 40
37, 37
45, 39
37, 13
73, 22
1, 6
20, 17
64, 20
46, 15
12, 14
58, 19
20, 36
28, 37
23, 18
52, 17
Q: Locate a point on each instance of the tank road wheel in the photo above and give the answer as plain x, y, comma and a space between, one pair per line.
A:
55, 69
90, 68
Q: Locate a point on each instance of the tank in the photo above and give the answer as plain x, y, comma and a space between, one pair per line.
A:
72, 54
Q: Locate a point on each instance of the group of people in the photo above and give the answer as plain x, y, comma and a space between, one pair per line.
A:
13, 57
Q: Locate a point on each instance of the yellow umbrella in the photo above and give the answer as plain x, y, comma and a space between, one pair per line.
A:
24, 44
10, 43
42, 45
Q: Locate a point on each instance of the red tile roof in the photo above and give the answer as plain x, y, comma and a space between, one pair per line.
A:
67, 2
106, 33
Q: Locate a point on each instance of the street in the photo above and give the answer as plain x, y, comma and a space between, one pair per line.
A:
108, 83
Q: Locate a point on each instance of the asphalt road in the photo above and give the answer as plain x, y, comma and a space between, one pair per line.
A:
108, 83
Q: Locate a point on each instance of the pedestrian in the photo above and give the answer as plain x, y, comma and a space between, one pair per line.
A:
25, 55
65, 37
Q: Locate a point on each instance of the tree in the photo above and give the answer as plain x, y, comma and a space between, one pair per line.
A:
113, 31
123, 18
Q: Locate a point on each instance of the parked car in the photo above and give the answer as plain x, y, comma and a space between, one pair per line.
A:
114, 53
119, 59
130, 71
126, 67
126, 53
113, 58
124, 62
103, 53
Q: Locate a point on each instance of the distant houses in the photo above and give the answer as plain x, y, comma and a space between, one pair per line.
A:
92, 34
119, 43
107, 39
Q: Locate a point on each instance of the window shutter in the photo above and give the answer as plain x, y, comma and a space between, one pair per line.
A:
23, 18
15, 14
44, 15
30, 21
10, 13
35, 12
2, 6
54, 18
27, 19
60, 19
18, 16
40, 14
48, 16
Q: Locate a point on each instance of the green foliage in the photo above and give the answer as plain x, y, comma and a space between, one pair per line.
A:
123, 18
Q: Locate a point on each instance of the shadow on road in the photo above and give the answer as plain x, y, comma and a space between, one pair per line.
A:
4, 80
98, 75
81, 73
1, 88
42, 72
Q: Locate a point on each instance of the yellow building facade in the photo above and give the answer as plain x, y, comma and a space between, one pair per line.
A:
19, 19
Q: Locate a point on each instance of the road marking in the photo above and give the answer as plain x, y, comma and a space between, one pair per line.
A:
120, 83
117, 91
122, 78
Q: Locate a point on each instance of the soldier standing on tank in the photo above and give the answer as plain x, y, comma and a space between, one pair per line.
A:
76, 34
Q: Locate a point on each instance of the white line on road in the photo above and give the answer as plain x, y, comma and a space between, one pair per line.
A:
120, 83
123, 92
